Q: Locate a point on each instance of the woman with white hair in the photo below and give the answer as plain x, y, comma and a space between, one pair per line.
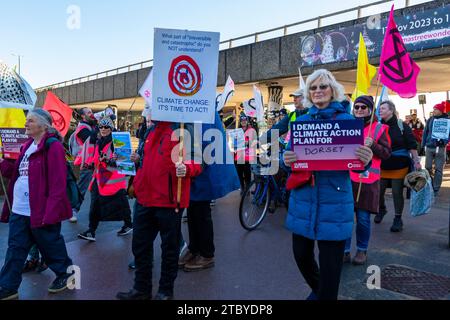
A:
36, 205
322, 209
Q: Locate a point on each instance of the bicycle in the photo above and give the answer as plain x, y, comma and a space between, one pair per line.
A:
258, 196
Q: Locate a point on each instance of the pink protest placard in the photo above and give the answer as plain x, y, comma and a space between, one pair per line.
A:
12, 139
327, 145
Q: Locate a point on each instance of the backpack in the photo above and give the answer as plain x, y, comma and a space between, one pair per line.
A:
73, 191
74, 148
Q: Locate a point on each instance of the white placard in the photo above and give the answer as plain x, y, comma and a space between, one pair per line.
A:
185, 75
228, 92
259, 102
441, 129
250, 108
236, 139
146, 89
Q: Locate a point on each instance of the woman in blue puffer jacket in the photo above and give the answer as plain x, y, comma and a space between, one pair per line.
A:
323, 211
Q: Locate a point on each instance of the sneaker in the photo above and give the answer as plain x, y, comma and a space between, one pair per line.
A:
30, 265
133, 295
42, 266
360, 258
162, 296
199, 263
124, 231
60, 283
397, 225
87, 235
379, 217
6, 294
186, 257
347, 258
74, 218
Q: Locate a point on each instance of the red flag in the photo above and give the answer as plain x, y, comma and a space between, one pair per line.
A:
397, 70
61, 112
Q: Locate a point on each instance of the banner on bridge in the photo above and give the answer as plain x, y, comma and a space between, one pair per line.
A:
420, 30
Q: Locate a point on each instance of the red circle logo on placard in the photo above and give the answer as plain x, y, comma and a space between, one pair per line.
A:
185, 78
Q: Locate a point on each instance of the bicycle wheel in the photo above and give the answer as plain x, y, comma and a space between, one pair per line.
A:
254, 204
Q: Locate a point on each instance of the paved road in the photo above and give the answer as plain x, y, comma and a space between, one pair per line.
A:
250, 265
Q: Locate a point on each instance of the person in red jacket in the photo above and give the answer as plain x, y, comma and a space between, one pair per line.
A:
156, 211
36, 205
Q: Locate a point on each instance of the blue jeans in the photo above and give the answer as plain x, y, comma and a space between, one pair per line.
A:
362, 231
49, 241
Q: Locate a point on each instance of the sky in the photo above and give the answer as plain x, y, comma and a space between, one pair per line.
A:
118, 33
115, 33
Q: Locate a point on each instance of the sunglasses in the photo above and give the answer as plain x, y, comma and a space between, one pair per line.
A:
321, 87
104, 127
362, 107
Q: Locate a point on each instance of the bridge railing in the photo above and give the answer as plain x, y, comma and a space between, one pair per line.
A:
231, 43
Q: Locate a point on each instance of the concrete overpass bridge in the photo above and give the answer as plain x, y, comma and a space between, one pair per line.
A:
271, 58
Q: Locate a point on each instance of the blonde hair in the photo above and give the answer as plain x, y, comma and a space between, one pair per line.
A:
338, 92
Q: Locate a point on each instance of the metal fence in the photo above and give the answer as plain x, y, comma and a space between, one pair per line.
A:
227, 44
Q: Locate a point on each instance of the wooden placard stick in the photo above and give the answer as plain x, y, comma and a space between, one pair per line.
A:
370, 132
180, 160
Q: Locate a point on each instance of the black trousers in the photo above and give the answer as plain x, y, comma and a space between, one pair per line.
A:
201, 232
397, 195
147, 223
244, 173
324, 281
95, 215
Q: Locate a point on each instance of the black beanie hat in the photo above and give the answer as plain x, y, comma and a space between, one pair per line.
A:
366, 100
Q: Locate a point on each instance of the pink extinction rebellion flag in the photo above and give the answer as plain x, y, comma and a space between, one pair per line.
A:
397, 69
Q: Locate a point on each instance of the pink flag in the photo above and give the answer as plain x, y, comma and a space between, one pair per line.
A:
397, 70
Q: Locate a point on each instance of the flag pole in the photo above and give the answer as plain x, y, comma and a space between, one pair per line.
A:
180, 159
370, 131
132, 105
237, 116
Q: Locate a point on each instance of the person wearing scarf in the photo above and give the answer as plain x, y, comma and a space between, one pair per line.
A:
108, 187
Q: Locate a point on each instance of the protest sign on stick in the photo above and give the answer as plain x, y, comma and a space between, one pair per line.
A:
327, 145
184, 79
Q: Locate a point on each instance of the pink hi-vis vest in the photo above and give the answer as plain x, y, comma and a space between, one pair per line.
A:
109, 180
372, 174
85, 154
249, 154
